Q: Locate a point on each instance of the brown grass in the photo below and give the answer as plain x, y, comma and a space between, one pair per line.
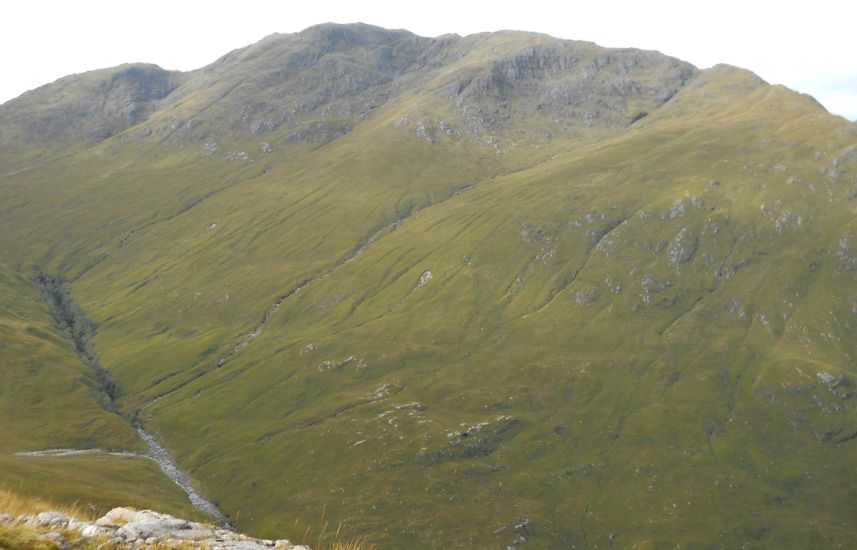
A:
352, 545
20, 537
25, 537
16, 505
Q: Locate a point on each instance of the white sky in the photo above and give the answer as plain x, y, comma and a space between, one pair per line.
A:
809, 46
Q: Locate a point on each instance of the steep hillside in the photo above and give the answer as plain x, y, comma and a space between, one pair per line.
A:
50, 399
80, 110
494, 290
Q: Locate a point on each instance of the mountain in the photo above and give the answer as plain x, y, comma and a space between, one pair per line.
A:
496, 290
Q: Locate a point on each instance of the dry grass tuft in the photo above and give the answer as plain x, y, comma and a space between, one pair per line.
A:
15, 536
352, 545
16, 505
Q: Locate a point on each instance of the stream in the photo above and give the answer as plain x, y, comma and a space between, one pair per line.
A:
79, 330
159, 454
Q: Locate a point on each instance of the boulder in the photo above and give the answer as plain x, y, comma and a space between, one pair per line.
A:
52, 519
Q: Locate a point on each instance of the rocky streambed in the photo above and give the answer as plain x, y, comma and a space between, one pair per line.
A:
80, 330
159, 454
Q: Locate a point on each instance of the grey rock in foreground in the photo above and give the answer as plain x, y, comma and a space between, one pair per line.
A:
135, 528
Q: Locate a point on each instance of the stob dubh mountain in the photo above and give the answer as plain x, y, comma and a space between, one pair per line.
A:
501, 290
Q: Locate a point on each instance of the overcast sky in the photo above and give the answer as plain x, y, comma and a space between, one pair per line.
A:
809, 46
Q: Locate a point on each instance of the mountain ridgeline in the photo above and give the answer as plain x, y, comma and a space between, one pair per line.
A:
501, 290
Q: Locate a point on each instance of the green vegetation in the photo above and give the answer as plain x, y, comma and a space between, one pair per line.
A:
96, 483
50, 399
78, 329
569, 322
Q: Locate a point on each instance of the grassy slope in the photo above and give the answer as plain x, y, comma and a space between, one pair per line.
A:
96, 483
694, 385
50, 399
553, 300
279, 219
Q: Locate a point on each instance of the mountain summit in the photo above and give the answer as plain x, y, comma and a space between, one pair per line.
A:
501, 290
317, 85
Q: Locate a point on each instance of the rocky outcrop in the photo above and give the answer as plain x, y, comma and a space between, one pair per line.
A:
318, 85
682, 248
129, 528
88, 107
473, 440
570, 84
